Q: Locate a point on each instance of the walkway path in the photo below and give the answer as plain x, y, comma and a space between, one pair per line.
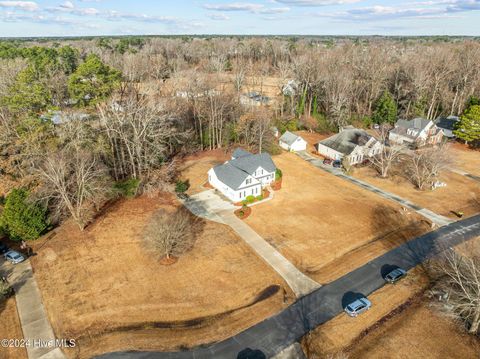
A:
35, 324
208, 205
432, 216
275, 334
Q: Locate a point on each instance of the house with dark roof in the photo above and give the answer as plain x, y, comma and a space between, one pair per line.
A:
416, 133
447, 125
244, 175
351, 144
292, 142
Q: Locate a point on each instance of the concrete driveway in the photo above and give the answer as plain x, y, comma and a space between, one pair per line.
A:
36, 327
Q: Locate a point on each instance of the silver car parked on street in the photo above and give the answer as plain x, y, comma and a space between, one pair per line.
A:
358, 306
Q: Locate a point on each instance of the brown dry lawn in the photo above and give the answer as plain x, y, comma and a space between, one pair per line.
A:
342, 331
312, 139
195, 167
461, 193
10, 328
103, 286
466, 158
418, 332
327, 226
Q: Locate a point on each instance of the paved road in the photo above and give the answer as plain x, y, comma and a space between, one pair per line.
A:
282, 330
208, 205
33, 318
432, 216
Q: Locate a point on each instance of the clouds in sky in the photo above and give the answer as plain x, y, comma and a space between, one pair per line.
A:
224, 16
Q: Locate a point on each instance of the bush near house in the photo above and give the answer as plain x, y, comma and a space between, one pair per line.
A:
182, 186
250, 199
243, 212
278, 174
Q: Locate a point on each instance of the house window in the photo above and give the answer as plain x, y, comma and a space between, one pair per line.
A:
248, 181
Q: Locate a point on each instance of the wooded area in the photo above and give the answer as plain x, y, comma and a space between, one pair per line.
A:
85, 120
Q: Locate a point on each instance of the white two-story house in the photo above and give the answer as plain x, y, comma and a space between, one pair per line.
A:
244, 175
352, 144
416, 133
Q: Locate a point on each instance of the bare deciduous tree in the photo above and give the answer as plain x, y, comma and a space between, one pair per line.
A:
141, 135
424, 166
388, 154
460, 281
75, 183
171, 234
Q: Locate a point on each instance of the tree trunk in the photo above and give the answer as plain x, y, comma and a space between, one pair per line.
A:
475, 322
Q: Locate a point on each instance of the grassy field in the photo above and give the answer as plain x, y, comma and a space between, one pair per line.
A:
10, 328
327, 226
460, 194
101, 285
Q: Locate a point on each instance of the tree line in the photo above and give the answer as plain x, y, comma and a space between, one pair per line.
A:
83, 121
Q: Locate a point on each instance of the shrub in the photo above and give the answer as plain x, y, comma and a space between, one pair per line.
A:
250, 199
259, 198
182, 186
127, 188
6, 290
278, 174
22, 219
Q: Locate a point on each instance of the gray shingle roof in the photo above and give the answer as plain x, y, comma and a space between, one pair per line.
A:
289, 138
416, 123
346, 141
239, 152
232, 176
447, 123
234, 172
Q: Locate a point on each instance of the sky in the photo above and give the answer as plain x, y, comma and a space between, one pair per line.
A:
253, 17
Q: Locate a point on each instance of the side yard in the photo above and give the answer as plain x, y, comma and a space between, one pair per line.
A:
461, 194
466, 158
326, 226
101, 285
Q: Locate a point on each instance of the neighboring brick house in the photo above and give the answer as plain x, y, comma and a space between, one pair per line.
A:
244, 175
352, 144
416, 133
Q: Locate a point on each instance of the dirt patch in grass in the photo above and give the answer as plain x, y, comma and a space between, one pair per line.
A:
10, 328
461, 194
195, 168
103, 286
466, 158
417, 332
343, 331
325, 225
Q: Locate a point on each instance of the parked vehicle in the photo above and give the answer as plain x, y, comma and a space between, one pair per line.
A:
395, 275
357, 307
14, 257
337, 164
3, 248
327, 161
